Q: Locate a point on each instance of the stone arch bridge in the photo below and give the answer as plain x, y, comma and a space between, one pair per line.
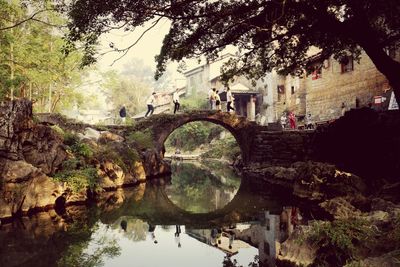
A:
257, 143
363, 141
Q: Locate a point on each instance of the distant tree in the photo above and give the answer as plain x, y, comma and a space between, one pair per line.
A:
138, 70
121, 90
269, 33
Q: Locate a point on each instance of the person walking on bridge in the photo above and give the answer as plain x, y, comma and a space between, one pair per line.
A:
122, 114
229, 100
150, 104
175, 99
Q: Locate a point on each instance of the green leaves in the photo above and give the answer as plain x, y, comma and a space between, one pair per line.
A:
268, 34
33, 55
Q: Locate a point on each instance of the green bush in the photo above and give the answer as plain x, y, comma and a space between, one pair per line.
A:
141, 139
71, 164
78, 148
340, 233
124, 157
338, 241
58, 130
191, 135
82, 149
70, 138
80, 179
223, 148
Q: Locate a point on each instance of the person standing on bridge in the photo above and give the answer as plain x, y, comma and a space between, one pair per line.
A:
212, 97
229, 100
217, 100
292, 120
150, 104
175, 99
122, 114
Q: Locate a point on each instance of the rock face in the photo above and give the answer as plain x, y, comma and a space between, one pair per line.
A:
31, 153
301, 254
310, 180
112, 176
28, 153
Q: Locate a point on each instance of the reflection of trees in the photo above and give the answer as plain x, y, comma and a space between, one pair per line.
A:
136, 229
77, 253
228, 262
194, 188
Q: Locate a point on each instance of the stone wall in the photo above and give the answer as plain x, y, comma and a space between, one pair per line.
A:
326, 94
364, 142
280, 147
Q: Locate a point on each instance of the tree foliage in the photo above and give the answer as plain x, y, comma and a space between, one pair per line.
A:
33, 63
268, 33
123, 90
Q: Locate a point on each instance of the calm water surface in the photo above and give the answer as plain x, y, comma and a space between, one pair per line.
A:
202, 216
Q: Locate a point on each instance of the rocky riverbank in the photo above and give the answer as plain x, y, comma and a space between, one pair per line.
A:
44, 166
353, 225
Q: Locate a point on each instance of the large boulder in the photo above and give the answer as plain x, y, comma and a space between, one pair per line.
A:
297, 253
113, 176
310, 180
153, 163
43, 148
26, 188
340, 208
107, 137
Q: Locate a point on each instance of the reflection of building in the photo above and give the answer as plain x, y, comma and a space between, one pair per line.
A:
222, 242
269, 234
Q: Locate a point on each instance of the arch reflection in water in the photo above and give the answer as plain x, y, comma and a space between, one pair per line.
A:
200, 188
138, 227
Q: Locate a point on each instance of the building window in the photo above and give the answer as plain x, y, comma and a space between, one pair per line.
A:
281, 92
292, 90
281, 89
347, 64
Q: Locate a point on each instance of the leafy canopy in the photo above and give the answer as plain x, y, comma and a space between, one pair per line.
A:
268, 33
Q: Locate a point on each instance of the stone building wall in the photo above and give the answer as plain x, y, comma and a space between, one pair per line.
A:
326, 94
291, 99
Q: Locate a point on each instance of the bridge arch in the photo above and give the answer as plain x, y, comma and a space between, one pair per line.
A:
241, 128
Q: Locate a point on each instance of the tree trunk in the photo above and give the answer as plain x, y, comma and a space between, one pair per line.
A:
361, 31
386, 65
12, 68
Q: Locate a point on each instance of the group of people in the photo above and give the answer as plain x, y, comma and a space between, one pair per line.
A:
213, 97
215, 100
292, 120
151, 103
216, 235
291, 117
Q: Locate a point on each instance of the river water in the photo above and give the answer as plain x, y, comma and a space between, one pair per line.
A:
204, 215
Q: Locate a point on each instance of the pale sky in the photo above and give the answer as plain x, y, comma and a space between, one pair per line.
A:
146, 49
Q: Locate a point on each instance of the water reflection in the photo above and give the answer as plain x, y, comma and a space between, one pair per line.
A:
142, 227
200, 188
